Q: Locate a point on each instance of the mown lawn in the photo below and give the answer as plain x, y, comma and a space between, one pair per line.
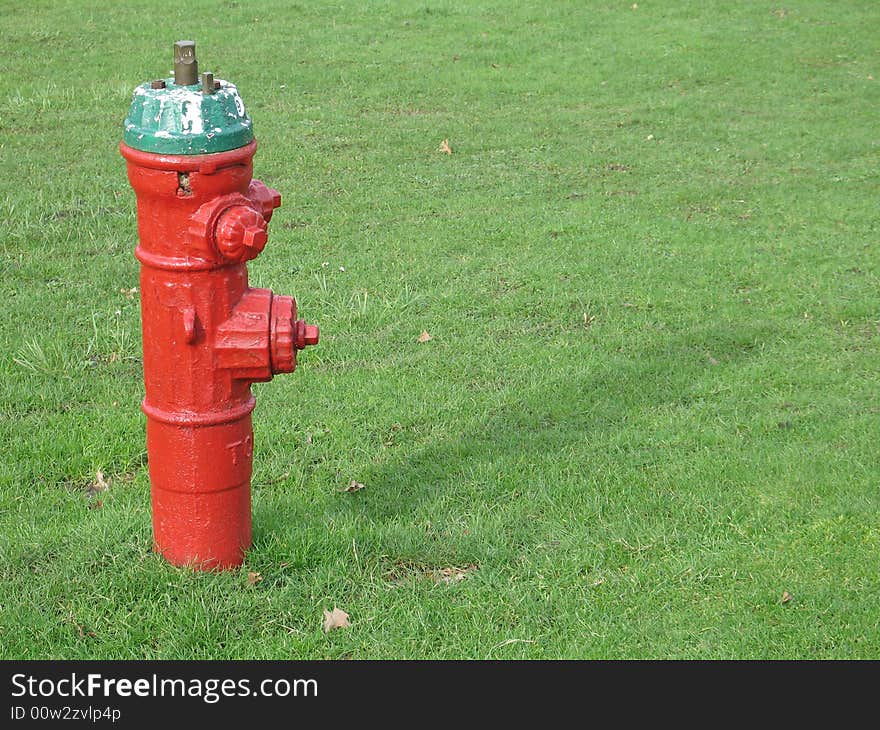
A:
651, 401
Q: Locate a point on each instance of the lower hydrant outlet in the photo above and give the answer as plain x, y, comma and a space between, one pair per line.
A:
207, 335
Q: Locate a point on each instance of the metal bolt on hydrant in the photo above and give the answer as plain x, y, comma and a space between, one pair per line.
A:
207, 335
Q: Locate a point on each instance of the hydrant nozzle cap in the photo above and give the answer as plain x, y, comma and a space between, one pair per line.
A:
182, 116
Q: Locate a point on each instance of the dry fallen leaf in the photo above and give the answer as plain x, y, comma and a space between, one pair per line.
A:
80, 629
354, 486
84, 632
452, 574
254, 578
444, 147
424, 337
401, 573
335, 619
99, 485
786, 596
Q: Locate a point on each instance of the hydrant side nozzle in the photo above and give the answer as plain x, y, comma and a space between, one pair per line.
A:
287, 334
282, 335
240, 233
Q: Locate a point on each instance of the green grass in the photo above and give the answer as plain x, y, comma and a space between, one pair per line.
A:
650, 271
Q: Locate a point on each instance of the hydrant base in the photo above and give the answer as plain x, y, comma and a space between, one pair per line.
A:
201, 493
190, 538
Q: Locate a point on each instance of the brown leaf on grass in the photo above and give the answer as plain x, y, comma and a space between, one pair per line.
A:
97, 504
445, 148
99, 485
80, 629
354, 487
403, 572
424, 337
335, 619
129, 293
254, 578
451, 574
786, 597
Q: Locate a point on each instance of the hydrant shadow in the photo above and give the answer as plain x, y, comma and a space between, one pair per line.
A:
568, 424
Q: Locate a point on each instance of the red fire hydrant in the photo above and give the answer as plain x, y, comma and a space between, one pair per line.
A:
207, 335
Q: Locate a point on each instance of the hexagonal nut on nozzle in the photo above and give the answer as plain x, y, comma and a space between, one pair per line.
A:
265, 199
304, 335
241, 233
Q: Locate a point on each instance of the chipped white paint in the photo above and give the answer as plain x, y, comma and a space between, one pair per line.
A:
184, 113
191, 111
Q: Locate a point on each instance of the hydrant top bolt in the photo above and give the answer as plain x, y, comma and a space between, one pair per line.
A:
208, 83
186, 67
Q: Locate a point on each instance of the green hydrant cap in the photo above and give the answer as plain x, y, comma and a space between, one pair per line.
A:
185, 114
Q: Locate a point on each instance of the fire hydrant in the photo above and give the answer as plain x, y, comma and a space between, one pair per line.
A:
207, 335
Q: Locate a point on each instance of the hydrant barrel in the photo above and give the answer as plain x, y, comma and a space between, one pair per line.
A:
207, 335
